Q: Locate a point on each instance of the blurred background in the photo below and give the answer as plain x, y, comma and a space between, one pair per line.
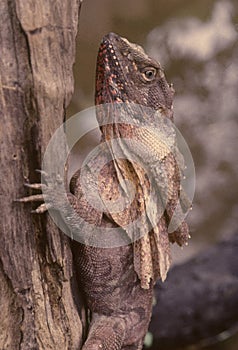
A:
196, 43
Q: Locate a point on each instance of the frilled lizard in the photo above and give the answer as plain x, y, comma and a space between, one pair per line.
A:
132, 95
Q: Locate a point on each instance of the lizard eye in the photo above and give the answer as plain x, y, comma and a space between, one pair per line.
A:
149, 73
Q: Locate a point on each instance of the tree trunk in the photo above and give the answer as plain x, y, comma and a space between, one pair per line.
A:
37, 44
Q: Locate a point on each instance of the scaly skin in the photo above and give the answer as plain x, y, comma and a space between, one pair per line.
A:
118, 282
114, 291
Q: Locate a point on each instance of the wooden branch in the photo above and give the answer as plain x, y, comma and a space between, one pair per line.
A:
199, 300
37, 44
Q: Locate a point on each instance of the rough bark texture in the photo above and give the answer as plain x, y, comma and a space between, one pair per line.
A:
37, 44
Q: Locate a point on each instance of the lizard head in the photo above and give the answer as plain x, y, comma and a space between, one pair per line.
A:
125, 73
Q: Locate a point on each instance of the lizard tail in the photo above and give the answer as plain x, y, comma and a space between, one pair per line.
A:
106, 333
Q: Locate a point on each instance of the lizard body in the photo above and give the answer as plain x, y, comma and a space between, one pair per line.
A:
118, 281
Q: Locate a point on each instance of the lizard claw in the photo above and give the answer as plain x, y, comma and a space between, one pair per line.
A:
42, 172
44, 175
33, 198
36, 186
52, 183
36, 197
49, 179
41, 209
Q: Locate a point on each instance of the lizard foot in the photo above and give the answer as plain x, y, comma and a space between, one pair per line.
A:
48, 188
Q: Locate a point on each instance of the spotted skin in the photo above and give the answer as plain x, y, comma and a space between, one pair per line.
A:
117, 282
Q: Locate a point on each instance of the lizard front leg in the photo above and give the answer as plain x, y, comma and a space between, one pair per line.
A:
73, 210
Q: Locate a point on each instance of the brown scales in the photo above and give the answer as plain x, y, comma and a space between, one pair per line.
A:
123, 67
118, 282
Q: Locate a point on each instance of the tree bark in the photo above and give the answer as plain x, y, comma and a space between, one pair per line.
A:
37, 45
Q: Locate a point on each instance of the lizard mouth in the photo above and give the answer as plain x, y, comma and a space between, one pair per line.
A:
110, 78
120, 68
116, 57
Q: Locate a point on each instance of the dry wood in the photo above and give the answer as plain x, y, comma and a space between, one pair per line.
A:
37, 45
